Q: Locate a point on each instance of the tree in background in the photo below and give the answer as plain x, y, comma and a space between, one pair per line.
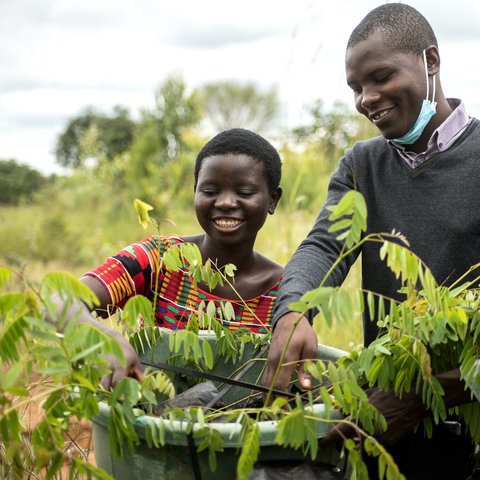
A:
153, 159
95, 135
330, 132
18, 182
160, 158
231, 104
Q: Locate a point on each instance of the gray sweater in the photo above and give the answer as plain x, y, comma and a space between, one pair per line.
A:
436, 206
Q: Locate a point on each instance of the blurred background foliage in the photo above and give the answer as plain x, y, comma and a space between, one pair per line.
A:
73, 222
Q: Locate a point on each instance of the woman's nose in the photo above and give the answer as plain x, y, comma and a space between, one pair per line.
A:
226, 200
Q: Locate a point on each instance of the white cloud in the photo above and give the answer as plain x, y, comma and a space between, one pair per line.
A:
59, 56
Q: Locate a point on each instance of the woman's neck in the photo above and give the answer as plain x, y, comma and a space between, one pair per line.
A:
254, 273
243, 257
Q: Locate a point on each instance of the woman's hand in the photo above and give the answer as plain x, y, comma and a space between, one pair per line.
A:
132, 366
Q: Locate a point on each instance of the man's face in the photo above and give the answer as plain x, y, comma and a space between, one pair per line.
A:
389, 86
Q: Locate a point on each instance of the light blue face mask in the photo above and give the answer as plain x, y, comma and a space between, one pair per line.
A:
428, 110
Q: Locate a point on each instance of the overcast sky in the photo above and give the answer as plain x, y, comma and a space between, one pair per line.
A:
59, 56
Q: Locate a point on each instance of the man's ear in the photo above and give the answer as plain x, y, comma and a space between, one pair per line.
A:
433, 60
275, 198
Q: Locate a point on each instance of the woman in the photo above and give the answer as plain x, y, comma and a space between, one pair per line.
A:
237, 176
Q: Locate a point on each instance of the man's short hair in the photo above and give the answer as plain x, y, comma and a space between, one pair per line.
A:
405, 28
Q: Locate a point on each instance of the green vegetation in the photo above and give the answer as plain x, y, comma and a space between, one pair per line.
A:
93, 133
434, 329
19, 183
231, 104
74, 222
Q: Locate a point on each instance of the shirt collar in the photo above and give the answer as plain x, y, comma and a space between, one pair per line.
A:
442, 138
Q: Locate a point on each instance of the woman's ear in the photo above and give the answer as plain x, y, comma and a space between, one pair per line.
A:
275, 198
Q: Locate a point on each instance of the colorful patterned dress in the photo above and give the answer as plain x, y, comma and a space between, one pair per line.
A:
133, 271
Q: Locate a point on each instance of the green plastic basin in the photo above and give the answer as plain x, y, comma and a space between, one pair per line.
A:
173, 461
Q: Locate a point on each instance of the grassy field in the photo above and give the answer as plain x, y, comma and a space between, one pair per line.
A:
36, 240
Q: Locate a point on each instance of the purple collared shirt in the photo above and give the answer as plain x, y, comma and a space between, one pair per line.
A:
442, 138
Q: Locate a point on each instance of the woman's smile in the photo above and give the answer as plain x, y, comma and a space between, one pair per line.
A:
227, 224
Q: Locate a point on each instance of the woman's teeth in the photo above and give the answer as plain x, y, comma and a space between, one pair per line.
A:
227, 223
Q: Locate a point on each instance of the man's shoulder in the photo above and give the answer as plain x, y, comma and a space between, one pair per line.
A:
368, 151
372, 145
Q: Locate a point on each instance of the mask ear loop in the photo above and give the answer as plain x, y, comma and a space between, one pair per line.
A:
426, 78
434, 84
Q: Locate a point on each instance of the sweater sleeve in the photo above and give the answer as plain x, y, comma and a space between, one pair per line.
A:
319, 250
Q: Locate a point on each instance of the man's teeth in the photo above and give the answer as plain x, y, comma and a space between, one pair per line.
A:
227, 223
380, 115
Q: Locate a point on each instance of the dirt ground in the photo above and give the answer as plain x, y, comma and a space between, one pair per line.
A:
78, 440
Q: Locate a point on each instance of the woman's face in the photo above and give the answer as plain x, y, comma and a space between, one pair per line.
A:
389, 86
232, 198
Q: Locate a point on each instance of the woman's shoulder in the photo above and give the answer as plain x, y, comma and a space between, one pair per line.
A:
276, 270
270, 270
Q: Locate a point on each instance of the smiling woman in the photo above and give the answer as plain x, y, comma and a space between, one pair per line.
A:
237, 176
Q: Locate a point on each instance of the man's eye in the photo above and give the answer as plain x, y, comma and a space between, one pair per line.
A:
356, 89
382, 78
246, 193
209, 192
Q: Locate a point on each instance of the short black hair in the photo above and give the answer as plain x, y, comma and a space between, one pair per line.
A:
405, 28
240, 141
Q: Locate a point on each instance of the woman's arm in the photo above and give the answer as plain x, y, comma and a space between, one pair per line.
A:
132, 366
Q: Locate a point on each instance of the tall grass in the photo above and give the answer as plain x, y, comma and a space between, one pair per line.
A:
85, 218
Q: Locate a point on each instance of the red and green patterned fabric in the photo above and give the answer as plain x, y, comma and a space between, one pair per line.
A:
133, 271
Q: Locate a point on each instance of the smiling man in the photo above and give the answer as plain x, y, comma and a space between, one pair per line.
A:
420, 177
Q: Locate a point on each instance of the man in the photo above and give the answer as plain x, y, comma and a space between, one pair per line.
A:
420, 178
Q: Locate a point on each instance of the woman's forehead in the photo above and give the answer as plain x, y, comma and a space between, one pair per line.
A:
230, 162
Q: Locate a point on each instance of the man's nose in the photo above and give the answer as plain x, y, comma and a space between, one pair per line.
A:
369, 98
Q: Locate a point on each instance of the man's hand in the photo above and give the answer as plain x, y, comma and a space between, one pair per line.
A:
132, 366
401, 416
303, 346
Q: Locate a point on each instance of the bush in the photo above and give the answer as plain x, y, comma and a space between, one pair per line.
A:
18, 182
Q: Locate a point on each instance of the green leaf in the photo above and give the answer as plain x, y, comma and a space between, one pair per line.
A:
207, 355
249, 452
352, 204
10, 302
86, 352
142, 210
172, 260
67, 285
12, 339
191, 254
137, 310
209, 439
5, 274
230, 270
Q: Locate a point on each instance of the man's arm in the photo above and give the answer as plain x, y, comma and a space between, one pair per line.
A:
305, 271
